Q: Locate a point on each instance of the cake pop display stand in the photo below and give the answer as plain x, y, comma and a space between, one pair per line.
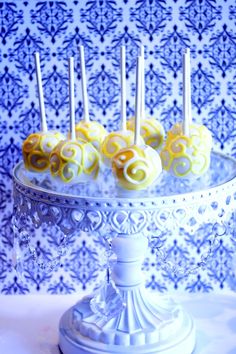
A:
123, 316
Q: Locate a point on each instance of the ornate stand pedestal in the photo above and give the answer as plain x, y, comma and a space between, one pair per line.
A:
124, 317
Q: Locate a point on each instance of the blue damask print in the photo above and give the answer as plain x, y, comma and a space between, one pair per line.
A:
132, 44
61, 287
10, 19
12, 91
103, 89
171, 50
220, 265
71, 48
150, 16
84, 265
10, 154
171, 115
221, 121
101, 16
24, 49
204, 88
156, 89
222, 51
29, 122
15, 287
52, 18
201, 15
56, 92
154, 284
198, 285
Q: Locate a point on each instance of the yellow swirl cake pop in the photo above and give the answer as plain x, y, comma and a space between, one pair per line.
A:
90, 131
36, 150
37, 146
115, 141
151, 130
186, 153
73, 161
138, 166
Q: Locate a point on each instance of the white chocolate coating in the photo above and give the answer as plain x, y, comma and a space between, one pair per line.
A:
74, 161
92, 132
151, 131
37, 147
136, 167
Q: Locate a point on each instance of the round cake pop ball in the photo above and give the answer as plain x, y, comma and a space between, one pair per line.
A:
183, 158
136, 167
92, 132
36, 149
74, 161
201, 136
116, 141
151, 131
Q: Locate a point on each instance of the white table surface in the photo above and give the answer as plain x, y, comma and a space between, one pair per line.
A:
29, 323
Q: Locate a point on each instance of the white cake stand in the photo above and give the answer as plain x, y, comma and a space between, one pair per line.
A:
123, 317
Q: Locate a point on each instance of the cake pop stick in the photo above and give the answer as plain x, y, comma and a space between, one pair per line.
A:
40, 93
117, 140
136, 167
88, 130
73, 161
151, 129
186, 153
38, 146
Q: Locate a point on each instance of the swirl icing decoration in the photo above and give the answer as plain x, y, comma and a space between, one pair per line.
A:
136, 167
74, 161
37, 148
200, 135
185, 156
92, 132
152, 132
114, 142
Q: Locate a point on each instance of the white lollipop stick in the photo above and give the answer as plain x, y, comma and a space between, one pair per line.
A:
72, 98
40, 91
185, 95
138, 101
84, 84
142, 83
123, 88
189, 85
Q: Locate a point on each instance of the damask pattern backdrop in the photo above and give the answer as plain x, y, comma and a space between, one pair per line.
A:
56, 29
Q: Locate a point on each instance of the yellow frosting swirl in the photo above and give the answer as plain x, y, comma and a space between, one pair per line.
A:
37, 148
185, 156
151, 131
136, 167
74, 161
92, 132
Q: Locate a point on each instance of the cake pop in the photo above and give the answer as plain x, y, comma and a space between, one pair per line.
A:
186, 153
122, 138
136, 167
88, 130
37, 147
151, 129
74, 160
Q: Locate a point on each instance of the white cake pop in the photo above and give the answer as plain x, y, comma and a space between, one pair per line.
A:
37, 147
88, 130
138, 166
73, 160
186, 153
151, 129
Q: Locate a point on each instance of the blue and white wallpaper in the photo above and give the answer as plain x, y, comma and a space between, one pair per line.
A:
56, 29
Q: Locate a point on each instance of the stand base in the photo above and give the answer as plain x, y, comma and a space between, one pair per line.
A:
72, 342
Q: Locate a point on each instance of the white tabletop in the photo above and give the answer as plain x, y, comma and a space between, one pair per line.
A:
29, 323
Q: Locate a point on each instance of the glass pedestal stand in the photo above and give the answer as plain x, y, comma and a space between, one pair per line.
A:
124, 317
